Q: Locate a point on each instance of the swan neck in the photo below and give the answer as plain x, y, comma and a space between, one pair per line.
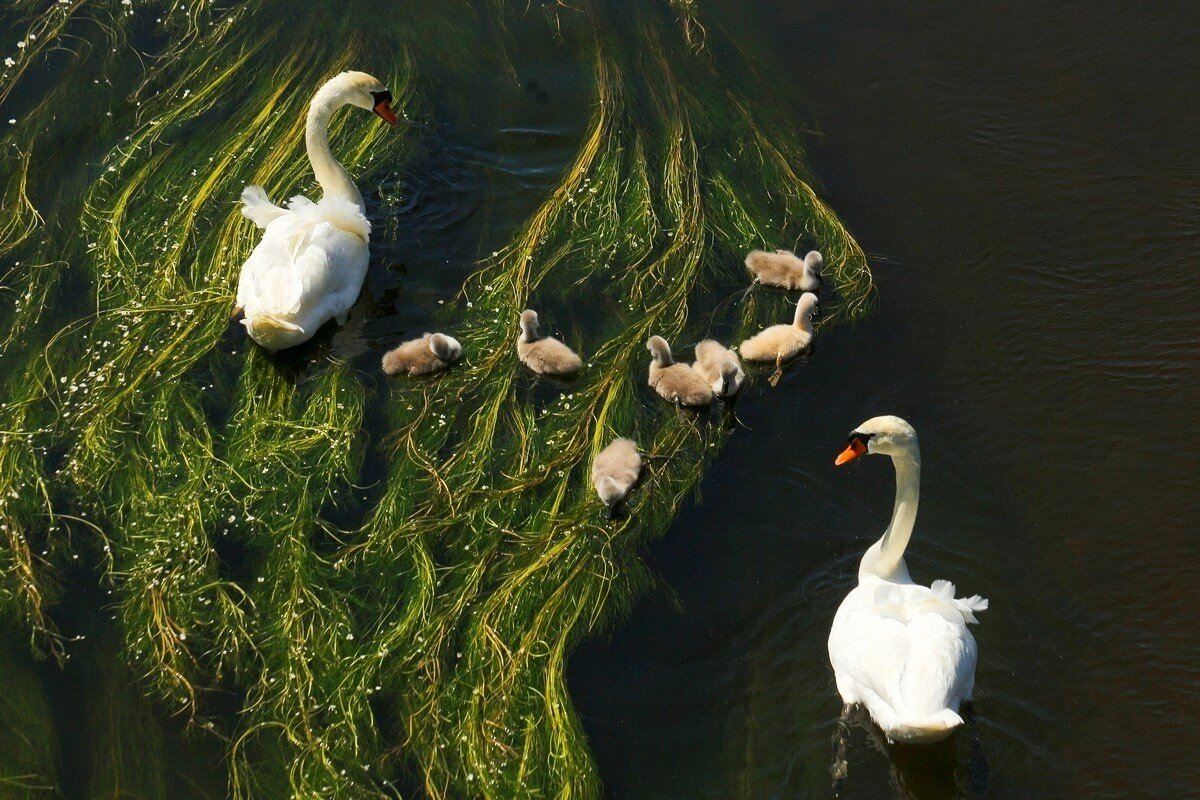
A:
885, 559
332, 176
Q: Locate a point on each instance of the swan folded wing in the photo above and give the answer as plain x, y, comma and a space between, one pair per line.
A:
915, 667
268, 280
328, 267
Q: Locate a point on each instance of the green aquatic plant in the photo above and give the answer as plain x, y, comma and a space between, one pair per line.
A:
411, 635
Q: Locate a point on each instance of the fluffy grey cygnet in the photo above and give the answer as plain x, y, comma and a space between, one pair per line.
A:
433, 352
785, 269
615, 470
545, 356
779, 343
678, 383
719, 366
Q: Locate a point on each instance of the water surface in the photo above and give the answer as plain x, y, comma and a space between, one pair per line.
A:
1026, 179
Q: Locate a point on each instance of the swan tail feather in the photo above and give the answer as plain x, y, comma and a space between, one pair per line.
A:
337, 211
258, 208
271, 331
967, 606
930, 728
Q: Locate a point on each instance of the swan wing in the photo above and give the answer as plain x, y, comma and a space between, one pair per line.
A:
312, 260
904, 651
268, 282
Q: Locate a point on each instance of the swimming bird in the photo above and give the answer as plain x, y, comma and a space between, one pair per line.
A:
719, 366
615, 470
545, 356
433, 352
901, 649
310, 264
678, 383
785, 269
779, 343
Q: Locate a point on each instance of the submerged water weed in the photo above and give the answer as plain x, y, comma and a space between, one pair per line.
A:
428, 645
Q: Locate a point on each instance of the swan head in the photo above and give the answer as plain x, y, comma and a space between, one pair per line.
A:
886, 435
362, 90
660, 351
529, 326
445, 347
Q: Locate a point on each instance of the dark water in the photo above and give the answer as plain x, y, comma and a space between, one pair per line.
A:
1026, 175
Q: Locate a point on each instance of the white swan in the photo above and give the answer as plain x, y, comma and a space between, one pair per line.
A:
901, 649
309, 266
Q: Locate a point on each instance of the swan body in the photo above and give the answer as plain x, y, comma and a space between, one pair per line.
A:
781, 342
678, 383
719, 366
785, 269
615, 470
433, 352
310, 264
901, 649
544, 355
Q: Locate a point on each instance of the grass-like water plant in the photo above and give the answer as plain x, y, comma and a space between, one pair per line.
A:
410, 637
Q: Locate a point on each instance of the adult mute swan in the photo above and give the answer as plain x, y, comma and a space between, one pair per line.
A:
309, 266
901, 649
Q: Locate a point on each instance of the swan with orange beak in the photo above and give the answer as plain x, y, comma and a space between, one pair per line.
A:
901, 649
309, 266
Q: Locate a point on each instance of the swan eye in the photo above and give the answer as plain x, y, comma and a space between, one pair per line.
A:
382, 97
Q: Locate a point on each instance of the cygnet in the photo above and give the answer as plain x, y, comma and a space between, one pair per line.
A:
719, 366
678, 383
433, 352
779, 343
615, 470
785, 269
545, 356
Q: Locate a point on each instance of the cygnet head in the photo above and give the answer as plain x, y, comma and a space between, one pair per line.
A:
815, 262
529, 326
362, 90
609, 490
445, 347
729, 379
886, 435
806, 307
660, 351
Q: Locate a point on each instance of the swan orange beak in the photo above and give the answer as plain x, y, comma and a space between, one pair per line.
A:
384, 109
853, 450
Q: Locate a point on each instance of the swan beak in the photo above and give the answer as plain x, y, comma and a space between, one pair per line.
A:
853, 450
384, 109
